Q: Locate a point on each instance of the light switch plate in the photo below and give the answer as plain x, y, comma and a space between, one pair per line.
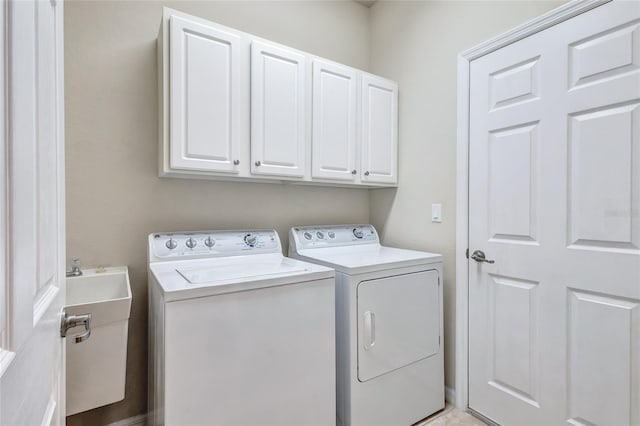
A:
436, 213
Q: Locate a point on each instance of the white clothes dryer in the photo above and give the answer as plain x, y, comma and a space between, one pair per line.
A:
238, 334
390, 365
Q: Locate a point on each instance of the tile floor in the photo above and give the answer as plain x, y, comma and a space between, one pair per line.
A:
451, 416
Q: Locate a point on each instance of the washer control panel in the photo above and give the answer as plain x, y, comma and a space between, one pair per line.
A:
212, 244
326, 236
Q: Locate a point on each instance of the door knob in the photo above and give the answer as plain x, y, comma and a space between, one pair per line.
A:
479, 256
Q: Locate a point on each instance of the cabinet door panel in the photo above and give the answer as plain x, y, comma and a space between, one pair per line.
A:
379, 130
277, 111
205, 97
334, 118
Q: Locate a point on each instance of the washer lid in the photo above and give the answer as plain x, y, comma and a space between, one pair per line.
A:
206, 274
367, 258
205, 277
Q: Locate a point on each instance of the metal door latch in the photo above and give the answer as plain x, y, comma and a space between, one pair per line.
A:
71, 321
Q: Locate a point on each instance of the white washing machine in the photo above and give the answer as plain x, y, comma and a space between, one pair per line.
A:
239, 335
390, 365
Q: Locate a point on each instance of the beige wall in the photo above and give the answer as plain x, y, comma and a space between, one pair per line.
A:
416, 43
114, 197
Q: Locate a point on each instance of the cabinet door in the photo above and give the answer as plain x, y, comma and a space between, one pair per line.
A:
278, 80
334, 122
205, 97
379, 130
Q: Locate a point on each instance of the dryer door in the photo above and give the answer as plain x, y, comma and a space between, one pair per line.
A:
398, 322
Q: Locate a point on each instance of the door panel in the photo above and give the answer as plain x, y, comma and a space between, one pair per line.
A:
205, 96
278, 80
603, 342
398, 322
554, 196
334, 121
513, 337
513, 183
615, 188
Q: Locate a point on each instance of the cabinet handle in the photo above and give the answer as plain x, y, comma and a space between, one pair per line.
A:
236, 162
258, 163
353, 172
366, 173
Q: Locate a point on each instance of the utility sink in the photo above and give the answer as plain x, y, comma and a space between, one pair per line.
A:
96, 367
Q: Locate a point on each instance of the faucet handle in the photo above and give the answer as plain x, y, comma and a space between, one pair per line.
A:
75, 262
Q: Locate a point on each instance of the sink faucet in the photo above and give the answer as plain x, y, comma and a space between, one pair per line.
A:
75, 270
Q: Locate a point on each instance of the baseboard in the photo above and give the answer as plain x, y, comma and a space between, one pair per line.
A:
140, 420
450, 395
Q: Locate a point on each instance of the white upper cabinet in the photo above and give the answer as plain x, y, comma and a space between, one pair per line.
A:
278, 119
379, 130
205, 97
237, 107
334, 122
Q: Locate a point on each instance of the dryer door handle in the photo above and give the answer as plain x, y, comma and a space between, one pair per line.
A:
369, 330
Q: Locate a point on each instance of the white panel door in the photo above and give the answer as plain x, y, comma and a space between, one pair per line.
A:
31, 350
554, 323
334, 121
206, 97
278, 119
379, 130
398, 322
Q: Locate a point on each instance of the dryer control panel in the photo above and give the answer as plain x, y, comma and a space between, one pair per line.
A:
332, 235
182, 245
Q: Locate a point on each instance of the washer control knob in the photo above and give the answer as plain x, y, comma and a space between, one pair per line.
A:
358, 233
250, 240
331, 234
209, 242
191, 243
320, 235
307, 235
171, 244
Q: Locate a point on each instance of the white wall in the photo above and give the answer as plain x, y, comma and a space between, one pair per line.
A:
416, 43
114, 197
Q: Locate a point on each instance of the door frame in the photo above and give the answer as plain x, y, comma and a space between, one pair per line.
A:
542, 22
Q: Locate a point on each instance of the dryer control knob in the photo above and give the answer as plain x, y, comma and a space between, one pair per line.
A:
171, 244
320, 235
209, 242
191, 243
307, 235
250, 239
358, 233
